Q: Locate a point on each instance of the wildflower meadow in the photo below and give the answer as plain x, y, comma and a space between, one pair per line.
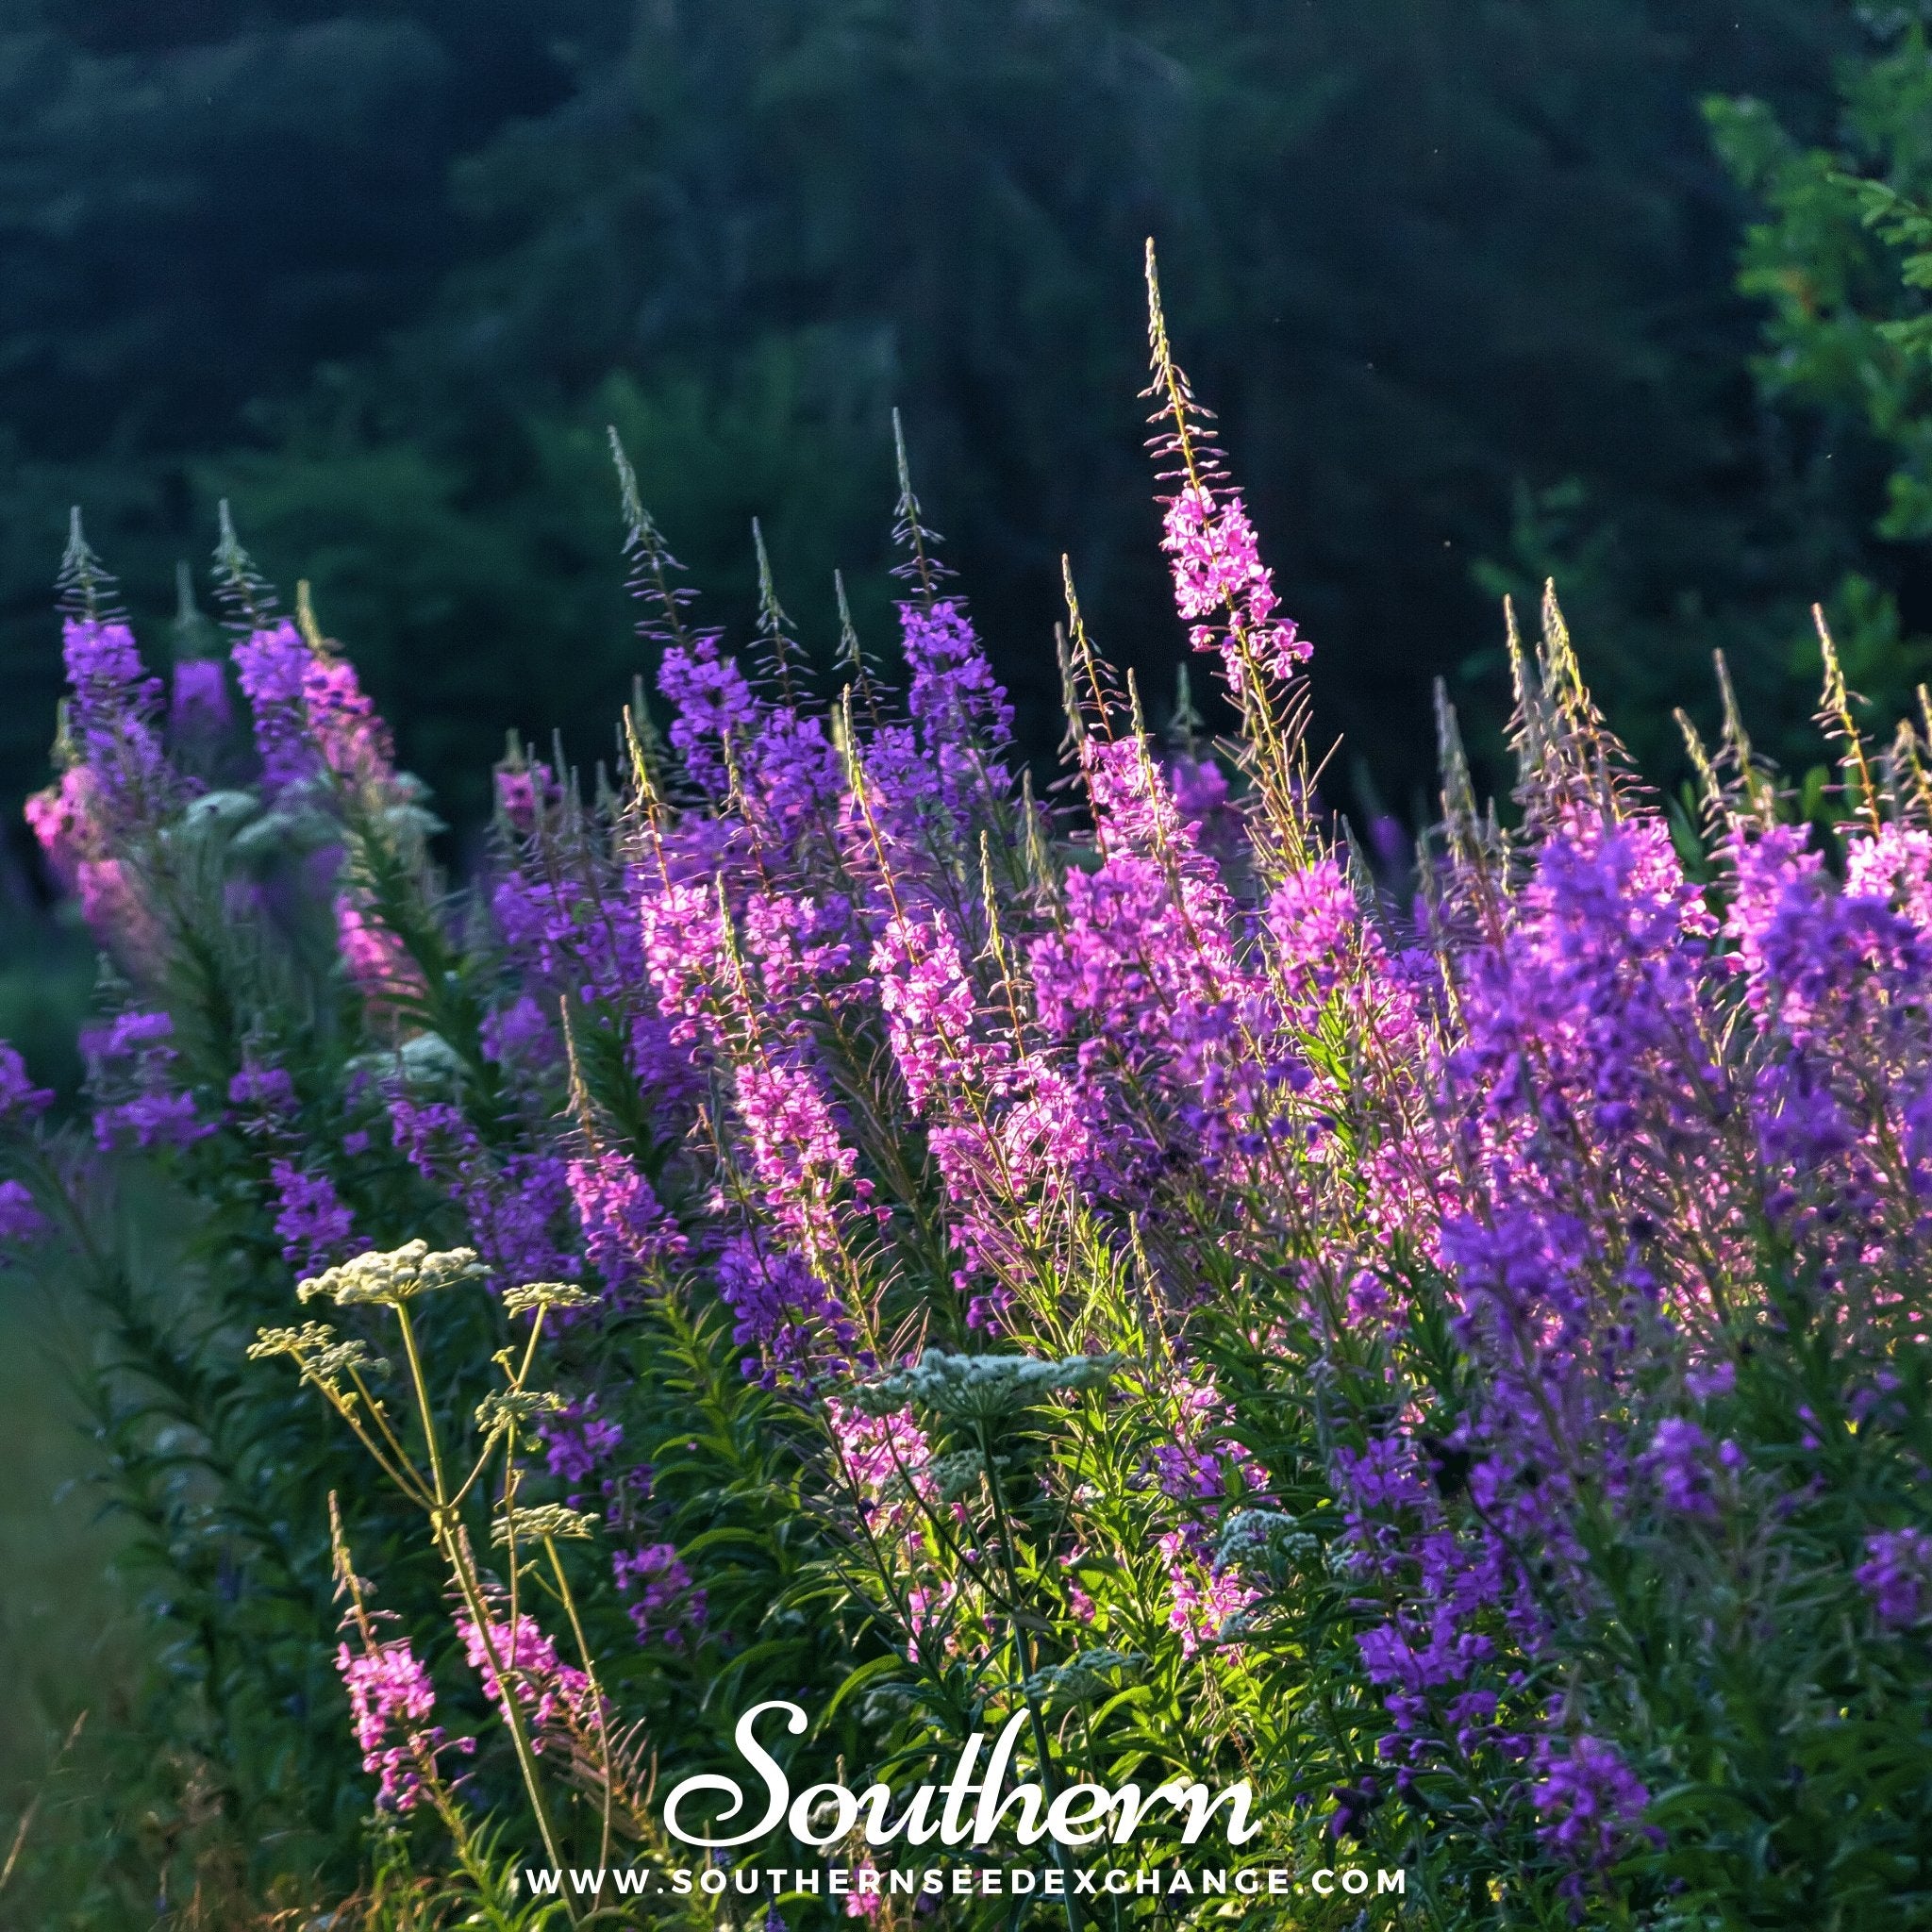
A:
1309, 1349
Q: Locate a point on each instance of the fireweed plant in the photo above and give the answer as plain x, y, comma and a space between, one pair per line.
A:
817, 1221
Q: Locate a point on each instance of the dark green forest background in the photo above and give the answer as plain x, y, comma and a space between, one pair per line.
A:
1461, 275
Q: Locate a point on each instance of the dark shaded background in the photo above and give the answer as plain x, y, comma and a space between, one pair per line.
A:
1458, 273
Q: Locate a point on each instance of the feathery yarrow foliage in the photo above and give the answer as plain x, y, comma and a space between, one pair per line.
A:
1445, 1344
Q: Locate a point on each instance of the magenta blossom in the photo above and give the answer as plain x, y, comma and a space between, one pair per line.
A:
391, 1702
1222, 586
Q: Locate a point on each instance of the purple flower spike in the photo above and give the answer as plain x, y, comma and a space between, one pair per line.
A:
198, 704
1897, 1576
1589, 1798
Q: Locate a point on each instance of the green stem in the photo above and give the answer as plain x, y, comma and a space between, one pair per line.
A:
506, 1700
447, 1535
1023, 1644
599, 1715
416, 1376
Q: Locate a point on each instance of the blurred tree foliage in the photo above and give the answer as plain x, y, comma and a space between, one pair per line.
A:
1461, 273
1844, 261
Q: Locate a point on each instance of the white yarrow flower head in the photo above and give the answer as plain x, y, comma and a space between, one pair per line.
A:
982, 1388
547, 1519
534, 1295
322, 1358
508, 1411
1085, 1678
389, 1277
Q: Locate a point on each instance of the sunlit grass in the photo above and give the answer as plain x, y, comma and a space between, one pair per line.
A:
67, 1629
